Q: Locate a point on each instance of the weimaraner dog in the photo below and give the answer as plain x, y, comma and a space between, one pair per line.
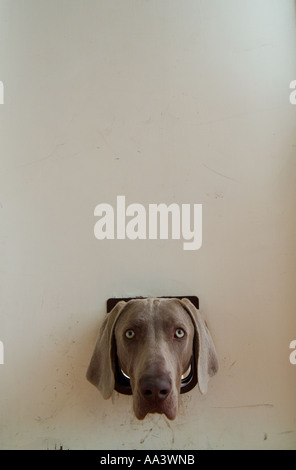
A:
151, 343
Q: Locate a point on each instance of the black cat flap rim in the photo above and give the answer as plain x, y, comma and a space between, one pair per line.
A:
114, 300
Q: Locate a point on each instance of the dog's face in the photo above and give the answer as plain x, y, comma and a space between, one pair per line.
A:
149, 344
154, 346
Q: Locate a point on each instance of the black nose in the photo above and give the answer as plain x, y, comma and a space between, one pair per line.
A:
155, 388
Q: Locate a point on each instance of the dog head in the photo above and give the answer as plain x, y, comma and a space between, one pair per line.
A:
154, 349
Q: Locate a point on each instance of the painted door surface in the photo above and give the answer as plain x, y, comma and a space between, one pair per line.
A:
188, 103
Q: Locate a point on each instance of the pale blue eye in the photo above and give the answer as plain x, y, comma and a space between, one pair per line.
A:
179, 333
129, 334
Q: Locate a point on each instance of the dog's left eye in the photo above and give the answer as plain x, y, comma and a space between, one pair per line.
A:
179, 333
129, 334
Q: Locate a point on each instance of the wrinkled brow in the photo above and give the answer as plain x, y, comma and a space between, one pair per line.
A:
136, 319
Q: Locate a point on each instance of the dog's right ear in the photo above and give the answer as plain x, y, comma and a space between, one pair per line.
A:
101, 369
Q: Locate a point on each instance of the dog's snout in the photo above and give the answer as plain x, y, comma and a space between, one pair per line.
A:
155, 389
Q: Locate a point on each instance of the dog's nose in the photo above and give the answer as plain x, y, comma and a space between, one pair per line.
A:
155, 388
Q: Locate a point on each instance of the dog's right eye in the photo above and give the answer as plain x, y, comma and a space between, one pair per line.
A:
129, 334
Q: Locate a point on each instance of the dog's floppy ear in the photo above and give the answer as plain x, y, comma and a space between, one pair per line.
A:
101, 369
203, 347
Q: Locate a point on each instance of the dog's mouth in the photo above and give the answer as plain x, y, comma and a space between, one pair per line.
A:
169, 407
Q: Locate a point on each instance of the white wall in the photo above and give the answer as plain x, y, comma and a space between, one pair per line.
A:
161, 101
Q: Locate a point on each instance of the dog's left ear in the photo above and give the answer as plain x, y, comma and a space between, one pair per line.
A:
203, 347
101, 370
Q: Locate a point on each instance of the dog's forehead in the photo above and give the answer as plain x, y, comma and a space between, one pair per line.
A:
144, 310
